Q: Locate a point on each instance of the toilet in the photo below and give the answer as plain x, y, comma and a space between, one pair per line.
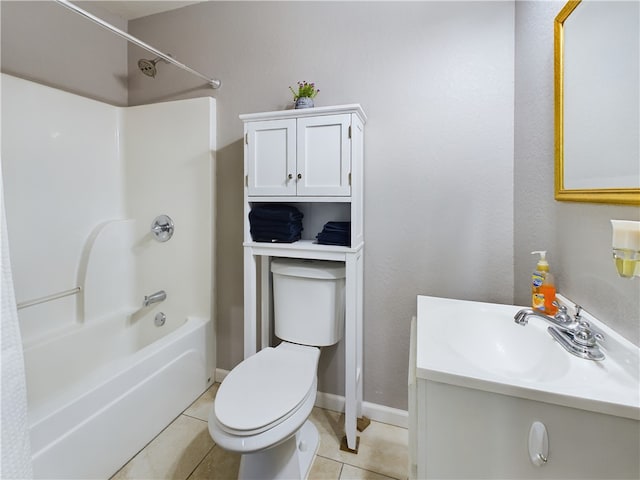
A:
262, 407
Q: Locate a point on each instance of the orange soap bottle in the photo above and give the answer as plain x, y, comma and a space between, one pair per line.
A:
543, 289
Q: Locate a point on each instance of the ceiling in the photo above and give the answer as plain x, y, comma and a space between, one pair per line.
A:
141, 8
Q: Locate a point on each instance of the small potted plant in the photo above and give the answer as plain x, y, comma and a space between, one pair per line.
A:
304, 97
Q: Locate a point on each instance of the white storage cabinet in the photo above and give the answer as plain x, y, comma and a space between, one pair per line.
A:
313, 159
305, 156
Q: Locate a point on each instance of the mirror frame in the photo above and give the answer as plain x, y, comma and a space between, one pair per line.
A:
624, 196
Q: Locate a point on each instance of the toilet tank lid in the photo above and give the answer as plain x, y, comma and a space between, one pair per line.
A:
319, 269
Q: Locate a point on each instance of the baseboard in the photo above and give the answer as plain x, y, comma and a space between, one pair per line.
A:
329, 401
221, 374
376, 412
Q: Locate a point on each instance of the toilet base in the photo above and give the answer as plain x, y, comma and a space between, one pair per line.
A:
289, 460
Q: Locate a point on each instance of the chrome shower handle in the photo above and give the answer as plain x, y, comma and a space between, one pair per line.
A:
162, 228
157, 228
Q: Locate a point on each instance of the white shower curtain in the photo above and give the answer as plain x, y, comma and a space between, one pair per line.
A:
15, 446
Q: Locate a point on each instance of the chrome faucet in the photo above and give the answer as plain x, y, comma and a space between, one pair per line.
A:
574, 334
154, 298
561, 319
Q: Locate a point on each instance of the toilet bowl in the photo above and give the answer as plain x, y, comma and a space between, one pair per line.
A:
262, 407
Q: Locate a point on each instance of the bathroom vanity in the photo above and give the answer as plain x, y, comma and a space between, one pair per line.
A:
313, 159
489, 398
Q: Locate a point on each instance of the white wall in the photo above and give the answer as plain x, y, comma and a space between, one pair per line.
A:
72, 165
436, 82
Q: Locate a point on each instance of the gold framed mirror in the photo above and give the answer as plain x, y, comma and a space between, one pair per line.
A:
597, 102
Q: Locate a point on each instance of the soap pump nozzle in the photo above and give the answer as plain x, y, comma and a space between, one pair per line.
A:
543, 265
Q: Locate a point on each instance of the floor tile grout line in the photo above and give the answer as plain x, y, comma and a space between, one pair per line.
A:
145, 446
201, 460
368, 471
376, 473
360, 467
195, 418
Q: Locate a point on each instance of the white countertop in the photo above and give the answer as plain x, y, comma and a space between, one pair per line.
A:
478, 345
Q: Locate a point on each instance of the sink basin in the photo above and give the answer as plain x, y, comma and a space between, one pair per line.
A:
478, 345
482, 338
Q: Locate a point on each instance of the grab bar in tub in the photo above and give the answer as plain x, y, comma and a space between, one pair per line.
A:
48, 298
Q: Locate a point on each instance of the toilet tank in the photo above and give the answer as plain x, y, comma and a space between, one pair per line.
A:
308, 300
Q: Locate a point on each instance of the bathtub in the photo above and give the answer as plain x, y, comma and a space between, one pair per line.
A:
98, 393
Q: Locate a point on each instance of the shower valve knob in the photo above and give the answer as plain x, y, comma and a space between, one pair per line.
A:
162, 228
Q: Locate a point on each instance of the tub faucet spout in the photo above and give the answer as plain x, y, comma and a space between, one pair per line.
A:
154, 298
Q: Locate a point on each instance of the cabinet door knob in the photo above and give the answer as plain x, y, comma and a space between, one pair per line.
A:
290, 176
299, 176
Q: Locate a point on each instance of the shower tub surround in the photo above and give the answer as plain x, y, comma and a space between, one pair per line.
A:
83, 182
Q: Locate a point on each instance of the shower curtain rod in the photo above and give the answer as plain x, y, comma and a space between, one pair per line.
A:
213, 83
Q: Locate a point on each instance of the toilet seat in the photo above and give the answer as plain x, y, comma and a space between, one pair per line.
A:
266, 389
281, 432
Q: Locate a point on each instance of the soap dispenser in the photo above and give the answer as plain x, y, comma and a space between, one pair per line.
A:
543, 289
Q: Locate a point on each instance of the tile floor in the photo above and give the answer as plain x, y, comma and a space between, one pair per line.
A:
185, 451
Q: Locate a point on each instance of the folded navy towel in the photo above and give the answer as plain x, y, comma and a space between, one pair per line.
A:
342, 243
335, 233
260, 223
275, 237
270, 231
337, 227
274, 222
275, 211
332, 237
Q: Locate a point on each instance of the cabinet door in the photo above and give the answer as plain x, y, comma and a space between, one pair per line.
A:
270, 153
323, 148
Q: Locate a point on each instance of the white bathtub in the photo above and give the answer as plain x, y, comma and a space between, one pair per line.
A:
99, 393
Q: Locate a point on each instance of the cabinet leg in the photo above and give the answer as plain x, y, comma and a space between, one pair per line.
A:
362, 423
345, 447
351, 407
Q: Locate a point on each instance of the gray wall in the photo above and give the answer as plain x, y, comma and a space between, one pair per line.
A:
436, 81
46, 43
577, 235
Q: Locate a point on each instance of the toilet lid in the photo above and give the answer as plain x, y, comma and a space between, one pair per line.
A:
266, 387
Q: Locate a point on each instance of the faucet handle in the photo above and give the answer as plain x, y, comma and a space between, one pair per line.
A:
584, 324
578, 309
559, 306
585, 337
562, 316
